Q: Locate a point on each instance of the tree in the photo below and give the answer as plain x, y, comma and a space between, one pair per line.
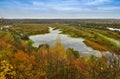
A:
23, 64
6, 70
72, 54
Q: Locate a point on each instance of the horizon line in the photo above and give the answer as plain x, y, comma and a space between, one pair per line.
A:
58, 18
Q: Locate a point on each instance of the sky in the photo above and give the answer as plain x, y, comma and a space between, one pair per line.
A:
60, 9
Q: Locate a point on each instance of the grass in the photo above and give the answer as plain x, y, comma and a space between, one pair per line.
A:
94, 35
111, 40
95, 45
32, 29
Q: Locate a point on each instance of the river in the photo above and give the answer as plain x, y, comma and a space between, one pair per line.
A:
113, 29
67, 42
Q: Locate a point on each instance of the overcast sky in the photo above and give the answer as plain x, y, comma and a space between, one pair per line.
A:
60, 9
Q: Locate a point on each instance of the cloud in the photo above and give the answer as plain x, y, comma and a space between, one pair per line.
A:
110, 8
97, 2
71, 9
35, 3
59, 8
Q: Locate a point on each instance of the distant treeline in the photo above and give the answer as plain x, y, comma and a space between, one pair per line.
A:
59, 20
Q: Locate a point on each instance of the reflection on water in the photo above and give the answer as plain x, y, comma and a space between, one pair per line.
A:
68, 42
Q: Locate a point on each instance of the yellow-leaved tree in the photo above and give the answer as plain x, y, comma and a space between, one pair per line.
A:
6, 70
58, 50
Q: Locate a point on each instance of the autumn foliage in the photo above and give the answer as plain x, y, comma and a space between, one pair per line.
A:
19, 60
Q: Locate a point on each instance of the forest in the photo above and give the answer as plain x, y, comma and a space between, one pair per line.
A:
19, 59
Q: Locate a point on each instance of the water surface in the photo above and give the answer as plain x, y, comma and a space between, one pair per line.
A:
68, 42
113, 29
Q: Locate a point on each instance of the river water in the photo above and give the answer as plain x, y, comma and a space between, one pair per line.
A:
67, 42
113, 29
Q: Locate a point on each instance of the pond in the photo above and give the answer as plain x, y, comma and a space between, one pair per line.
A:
67, 42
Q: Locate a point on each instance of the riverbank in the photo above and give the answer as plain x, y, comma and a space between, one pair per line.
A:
67, 42
86, 33
92, 35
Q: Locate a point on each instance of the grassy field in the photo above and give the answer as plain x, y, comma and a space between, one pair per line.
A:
31, 29
95, 34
